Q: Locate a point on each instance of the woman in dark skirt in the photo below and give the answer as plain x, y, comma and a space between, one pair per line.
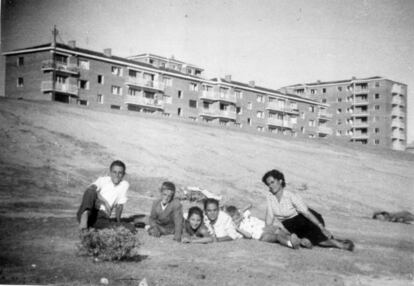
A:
289, 209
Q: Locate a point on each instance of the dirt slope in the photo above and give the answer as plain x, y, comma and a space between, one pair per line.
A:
50, 152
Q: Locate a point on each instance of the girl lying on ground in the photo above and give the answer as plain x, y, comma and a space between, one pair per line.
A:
292, 213
194, 230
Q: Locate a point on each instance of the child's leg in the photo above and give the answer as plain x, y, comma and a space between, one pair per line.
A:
87, 213
287, 239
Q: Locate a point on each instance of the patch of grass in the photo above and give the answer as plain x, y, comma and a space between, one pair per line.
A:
109, 244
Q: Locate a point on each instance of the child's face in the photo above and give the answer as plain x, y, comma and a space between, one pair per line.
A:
212, 211
237, 218
117, 174
195, 221
166, 196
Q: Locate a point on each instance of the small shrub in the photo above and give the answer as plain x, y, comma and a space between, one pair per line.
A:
109, 244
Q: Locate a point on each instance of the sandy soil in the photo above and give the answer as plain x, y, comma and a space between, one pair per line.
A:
50, 152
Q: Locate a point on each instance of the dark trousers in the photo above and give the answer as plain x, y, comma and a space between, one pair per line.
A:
304, 228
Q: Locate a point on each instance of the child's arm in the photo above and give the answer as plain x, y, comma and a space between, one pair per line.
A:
178, 222
244, 233
118, 212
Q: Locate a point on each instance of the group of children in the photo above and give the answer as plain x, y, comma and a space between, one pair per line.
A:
214, 224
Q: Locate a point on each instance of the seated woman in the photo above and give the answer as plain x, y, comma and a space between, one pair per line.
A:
194, 230
166, 214
289, 210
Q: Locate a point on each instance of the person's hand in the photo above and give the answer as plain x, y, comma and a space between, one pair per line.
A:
327, 233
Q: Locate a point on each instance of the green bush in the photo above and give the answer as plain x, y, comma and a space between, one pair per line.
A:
109, 244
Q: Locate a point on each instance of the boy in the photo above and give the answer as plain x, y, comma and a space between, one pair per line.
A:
100, 198
218, 223
166, 214
252, 227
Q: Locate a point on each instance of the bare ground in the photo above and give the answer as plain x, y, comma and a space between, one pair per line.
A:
50, 152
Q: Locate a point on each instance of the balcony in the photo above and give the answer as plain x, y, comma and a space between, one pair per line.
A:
281, 108
47, 86
358, 135
397, 134
323, 115
396, 88
360, 125
145, 83
397, 124
279, 123
360, 113
325, 130
218, 96
361, 90
49, 65
144, 101
360, 101
396, 100
217, 113
397, 113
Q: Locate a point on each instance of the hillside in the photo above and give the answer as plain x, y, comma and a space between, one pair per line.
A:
50, 152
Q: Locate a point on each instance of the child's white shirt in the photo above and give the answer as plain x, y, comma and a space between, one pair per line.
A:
252, 225
113, 194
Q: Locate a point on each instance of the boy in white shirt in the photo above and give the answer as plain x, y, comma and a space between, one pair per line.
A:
104, 195
253, 228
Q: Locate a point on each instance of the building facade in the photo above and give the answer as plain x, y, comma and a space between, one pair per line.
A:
367, 110
154, 84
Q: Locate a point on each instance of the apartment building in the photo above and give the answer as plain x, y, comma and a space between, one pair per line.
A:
365, 110
153, 84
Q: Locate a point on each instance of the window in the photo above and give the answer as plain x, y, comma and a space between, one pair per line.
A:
180, 94
20, 61
238, 94
206, 105
323, 100
311, 123
312, 108
82, 102
260, 114
302, 115
376, 141
192, 103
302, 129
100, 79
100, 98
193, 86
260, 98
179, 112
339, 88
339, 110
20, 82
133, 73
294, 120
116, 71
83, 84
377, 84
260, 128
168, 81
238, 110
61, 59
189, 71
323, 90
117, 90
338, 132
249, 121
84, 64
313, 91
377, 107
115, 107
249, 106
339, 99
377, 96
376, 130
339, 122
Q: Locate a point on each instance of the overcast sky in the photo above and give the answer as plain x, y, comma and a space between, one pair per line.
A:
273, 42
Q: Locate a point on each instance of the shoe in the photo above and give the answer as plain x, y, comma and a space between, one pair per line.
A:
349, 245
305, 243
295, 240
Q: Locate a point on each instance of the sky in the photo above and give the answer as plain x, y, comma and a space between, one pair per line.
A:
273, 42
